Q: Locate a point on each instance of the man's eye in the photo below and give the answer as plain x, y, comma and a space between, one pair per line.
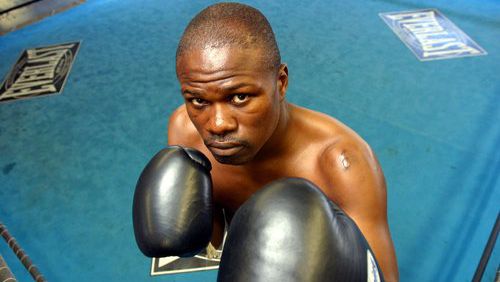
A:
240, 98
198, 102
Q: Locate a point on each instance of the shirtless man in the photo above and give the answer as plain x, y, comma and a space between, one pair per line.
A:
236, 114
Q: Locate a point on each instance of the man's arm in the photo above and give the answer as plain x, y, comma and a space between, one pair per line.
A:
357, 185
181, 131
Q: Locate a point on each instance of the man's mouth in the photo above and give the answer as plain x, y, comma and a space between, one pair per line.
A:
224, 148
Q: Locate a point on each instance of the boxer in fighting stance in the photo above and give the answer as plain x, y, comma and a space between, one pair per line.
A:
235, 134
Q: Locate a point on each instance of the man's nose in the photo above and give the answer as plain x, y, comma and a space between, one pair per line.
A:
221, 120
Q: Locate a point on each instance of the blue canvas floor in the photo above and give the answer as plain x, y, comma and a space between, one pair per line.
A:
69, 163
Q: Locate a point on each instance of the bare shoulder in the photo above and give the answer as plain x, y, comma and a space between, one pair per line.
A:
348, 153
349, 170
335, 138
181, 130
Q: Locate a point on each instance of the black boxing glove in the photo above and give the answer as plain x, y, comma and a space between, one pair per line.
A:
172, 209
290, 231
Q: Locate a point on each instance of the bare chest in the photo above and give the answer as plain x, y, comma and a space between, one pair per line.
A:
232, 187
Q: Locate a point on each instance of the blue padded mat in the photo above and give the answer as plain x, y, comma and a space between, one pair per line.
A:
69, 163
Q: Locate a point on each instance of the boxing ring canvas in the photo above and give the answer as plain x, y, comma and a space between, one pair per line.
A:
69, 163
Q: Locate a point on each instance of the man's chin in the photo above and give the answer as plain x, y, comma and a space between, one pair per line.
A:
230, 160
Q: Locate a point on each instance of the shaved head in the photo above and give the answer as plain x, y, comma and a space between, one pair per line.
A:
231, 24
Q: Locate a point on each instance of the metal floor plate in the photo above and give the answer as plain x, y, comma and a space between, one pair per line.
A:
17, 14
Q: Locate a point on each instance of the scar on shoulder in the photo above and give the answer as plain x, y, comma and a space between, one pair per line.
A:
344, 161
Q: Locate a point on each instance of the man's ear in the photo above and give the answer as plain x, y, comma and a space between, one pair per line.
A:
282, 81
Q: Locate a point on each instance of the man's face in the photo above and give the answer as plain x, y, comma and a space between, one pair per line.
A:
232, 99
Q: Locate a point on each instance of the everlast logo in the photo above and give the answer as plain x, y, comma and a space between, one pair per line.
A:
430, 35
39, 71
